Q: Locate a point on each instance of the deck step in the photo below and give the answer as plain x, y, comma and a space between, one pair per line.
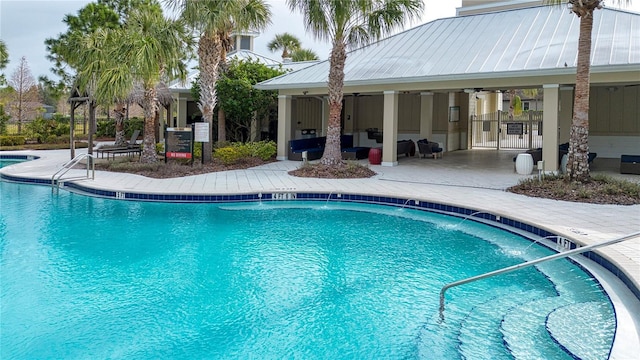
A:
584, 330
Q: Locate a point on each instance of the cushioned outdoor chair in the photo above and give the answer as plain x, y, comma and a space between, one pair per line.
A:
431, 148
130, 147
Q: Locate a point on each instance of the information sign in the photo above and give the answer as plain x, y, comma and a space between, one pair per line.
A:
201, 132
179, 143
515, 128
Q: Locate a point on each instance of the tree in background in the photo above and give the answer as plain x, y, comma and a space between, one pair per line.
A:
291, 48
214, 21
285, 42
245, 105
303, 55
25, 101
146, 50
349, 24
101, 15
578, 156
4, 60
50, 91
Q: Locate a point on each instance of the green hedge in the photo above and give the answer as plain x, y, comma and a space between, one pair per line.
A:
107, 128
12, 140
235, 152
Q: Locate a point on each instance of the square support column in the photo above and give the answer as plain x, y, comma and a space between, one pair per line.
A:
284, 126
550, 127
179, 105
390, 129
426, 115
325, 116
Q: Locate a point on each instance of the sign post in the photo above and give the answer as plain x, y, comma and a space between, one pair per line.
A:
178, 144
201, 131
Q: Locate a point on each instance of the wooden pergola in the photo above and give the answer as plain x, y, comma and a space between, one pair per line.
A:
76, 99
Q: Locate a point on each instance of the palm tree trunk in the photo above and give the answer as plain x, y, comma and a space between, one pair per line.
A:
578, 161
150, 107
118, 115
92, 125
332, 154
208, 57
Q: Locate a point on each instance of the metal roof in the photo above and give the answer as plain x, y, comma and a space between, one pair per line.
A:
542, 39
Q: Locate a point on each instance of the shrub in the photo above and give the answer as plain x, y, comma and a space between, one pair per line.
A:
265, 150
231, 153
107, 128
12, 140
46, 131
227, 155
160, 148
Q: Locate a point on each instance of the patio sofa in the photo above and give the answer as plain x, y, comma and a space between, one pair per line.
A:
630, 164
315, 147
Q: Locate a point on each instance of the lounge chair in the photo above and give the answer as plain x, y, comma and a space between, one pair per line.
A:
130, 148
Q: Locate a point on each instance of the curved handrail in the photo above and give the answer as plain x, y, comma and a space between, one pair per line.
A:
70, 164
530, 263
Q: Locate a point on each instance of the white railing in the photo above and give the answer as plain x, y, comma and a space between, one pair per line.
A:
530, 263
55, 179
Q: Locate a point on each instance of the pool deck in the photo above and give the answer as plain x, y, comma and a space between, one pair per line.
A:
473, 179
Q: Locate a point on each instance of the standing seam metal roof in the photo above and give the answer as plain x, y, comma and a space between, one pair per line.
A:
536, 38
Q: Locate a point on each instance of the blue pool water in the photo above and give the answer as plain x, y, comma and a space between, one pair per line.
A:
87, 277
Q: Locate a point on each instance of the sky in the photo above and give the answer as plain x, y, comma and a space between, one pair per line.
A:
25, 24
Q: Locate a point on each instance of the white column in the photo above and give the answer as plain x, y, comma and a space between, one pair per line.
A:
550, 127
284, 126
182, 112
565, 109
325, 115
390, 129
426, 115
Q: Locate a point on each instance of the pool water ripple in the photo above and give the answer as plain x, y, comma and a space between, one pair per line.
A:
103, 278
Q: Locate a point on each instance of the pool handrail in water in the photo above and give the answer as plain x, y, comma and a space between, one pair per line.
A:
530, 263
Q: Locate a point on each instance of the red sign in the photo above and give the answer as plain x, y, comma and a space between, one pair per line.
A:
178, 155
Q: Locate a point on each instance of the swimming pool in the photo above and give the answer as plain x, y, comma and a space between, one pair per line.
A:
101, 278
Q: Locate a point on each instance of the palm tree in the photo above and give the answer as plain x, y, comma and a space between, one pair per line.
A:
578, 160
4, 60
147, 50
285, 42
303, 55
214, 20
349, 24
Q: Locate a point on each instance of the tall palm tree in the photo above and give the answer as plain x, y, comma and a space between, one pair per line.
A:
349, 24
303, 55
285, 42
214, 20
578, 160
4, 60
148, 49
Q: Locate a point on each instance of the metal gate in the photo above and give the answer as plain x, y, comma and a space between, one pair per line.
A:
496, 131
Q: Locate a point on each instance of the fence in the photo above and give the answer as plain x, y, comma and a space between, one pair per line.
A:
497, 131
14, 128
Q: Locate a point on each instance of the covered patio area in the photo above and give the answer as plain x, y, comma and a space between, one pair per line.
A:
433, 81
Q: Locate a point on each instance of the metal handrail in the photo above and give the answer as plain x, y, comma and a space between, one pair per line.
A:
530, 263
69, 165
